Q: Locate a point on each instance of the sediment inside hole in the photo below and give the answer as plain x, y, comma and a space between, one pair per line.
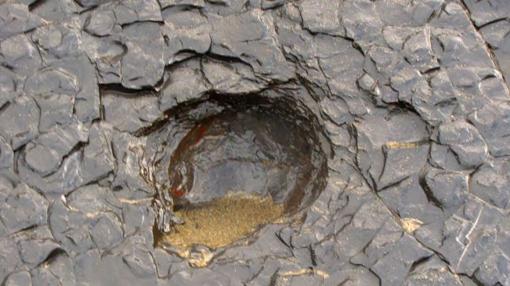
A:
235, 163
223, 220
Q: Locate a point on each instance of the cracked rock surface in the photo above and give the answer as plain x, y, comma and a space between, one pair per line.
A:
413, 97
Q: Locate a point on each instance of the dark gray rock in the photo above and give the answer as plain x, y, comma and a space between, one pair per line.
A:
418, 51
494, 270
336, 110
130, 11
448, 188
101, 22
185, 31
433, 271
465, 141
88, 218
143, 64
255, 43
6, 155
321, 16
55, 109
128, 113
19, 121
492, 121
170, 3
58, 269
399, 136
22, 208
436, 103
45, 154
60, 40
73, 76
15, 19
9, 257
88, 164
490, 182
109, 270
409, 201
21, 278
230, 78
129, 154
411, 95
485, 12
36, 245
106, 53
7, 86
20, 55
470, 238
185, 82
91, 3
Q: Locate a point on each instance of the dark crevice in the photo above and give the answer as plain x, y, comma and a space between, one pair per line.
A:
426, 189
52, 256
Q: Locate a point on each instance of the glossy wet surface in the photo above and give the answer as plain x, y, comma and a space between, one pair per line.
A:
237, 170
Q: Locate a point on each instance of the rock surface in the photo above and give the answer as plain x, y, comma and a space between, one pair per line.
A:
412, 95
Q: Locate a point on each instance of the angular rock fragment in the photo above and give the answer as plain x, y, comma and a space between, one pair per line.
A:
230, 78
60, 40
399, 136
341, 78
20, 55
129, 156
185, 83
121, 267
9, 257
56, 109
336, 110
418, 51
7, 86
85, 165
433, 271
448, 188
250, 37
107, 53
130, 11
170, 3
491, 182
19, 121
45, 154
6, 155
89, 218
127, 112
36, 245
495, 269
493, 122
185, 31
15, 19
485, 12
409, 201
465, 141
18, 279
22, 208
101, 22
470, 239
321, 16
74, 76
143, 64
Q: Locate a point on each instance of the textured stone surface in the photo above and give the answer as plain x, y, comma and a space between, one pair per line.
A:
412, 95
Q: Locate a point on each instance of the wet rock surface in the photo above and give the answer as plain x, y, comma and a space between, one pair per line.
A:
411, 98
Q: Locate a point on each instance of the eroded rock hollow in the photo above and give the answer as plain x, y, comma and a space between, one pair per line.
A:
346, 142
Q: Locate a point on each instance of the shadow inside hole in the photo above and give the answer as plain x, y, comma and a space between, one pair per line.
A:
235, 163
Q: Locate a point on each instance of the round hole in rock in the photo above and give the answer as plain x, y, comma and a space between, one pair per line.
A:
232, 164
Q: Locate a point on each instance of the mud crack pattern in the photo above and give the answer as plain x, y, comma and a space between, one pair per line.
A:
412, 95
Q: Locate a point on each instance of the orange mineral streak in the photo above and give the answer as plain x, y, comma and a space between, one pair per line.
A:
177, 192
